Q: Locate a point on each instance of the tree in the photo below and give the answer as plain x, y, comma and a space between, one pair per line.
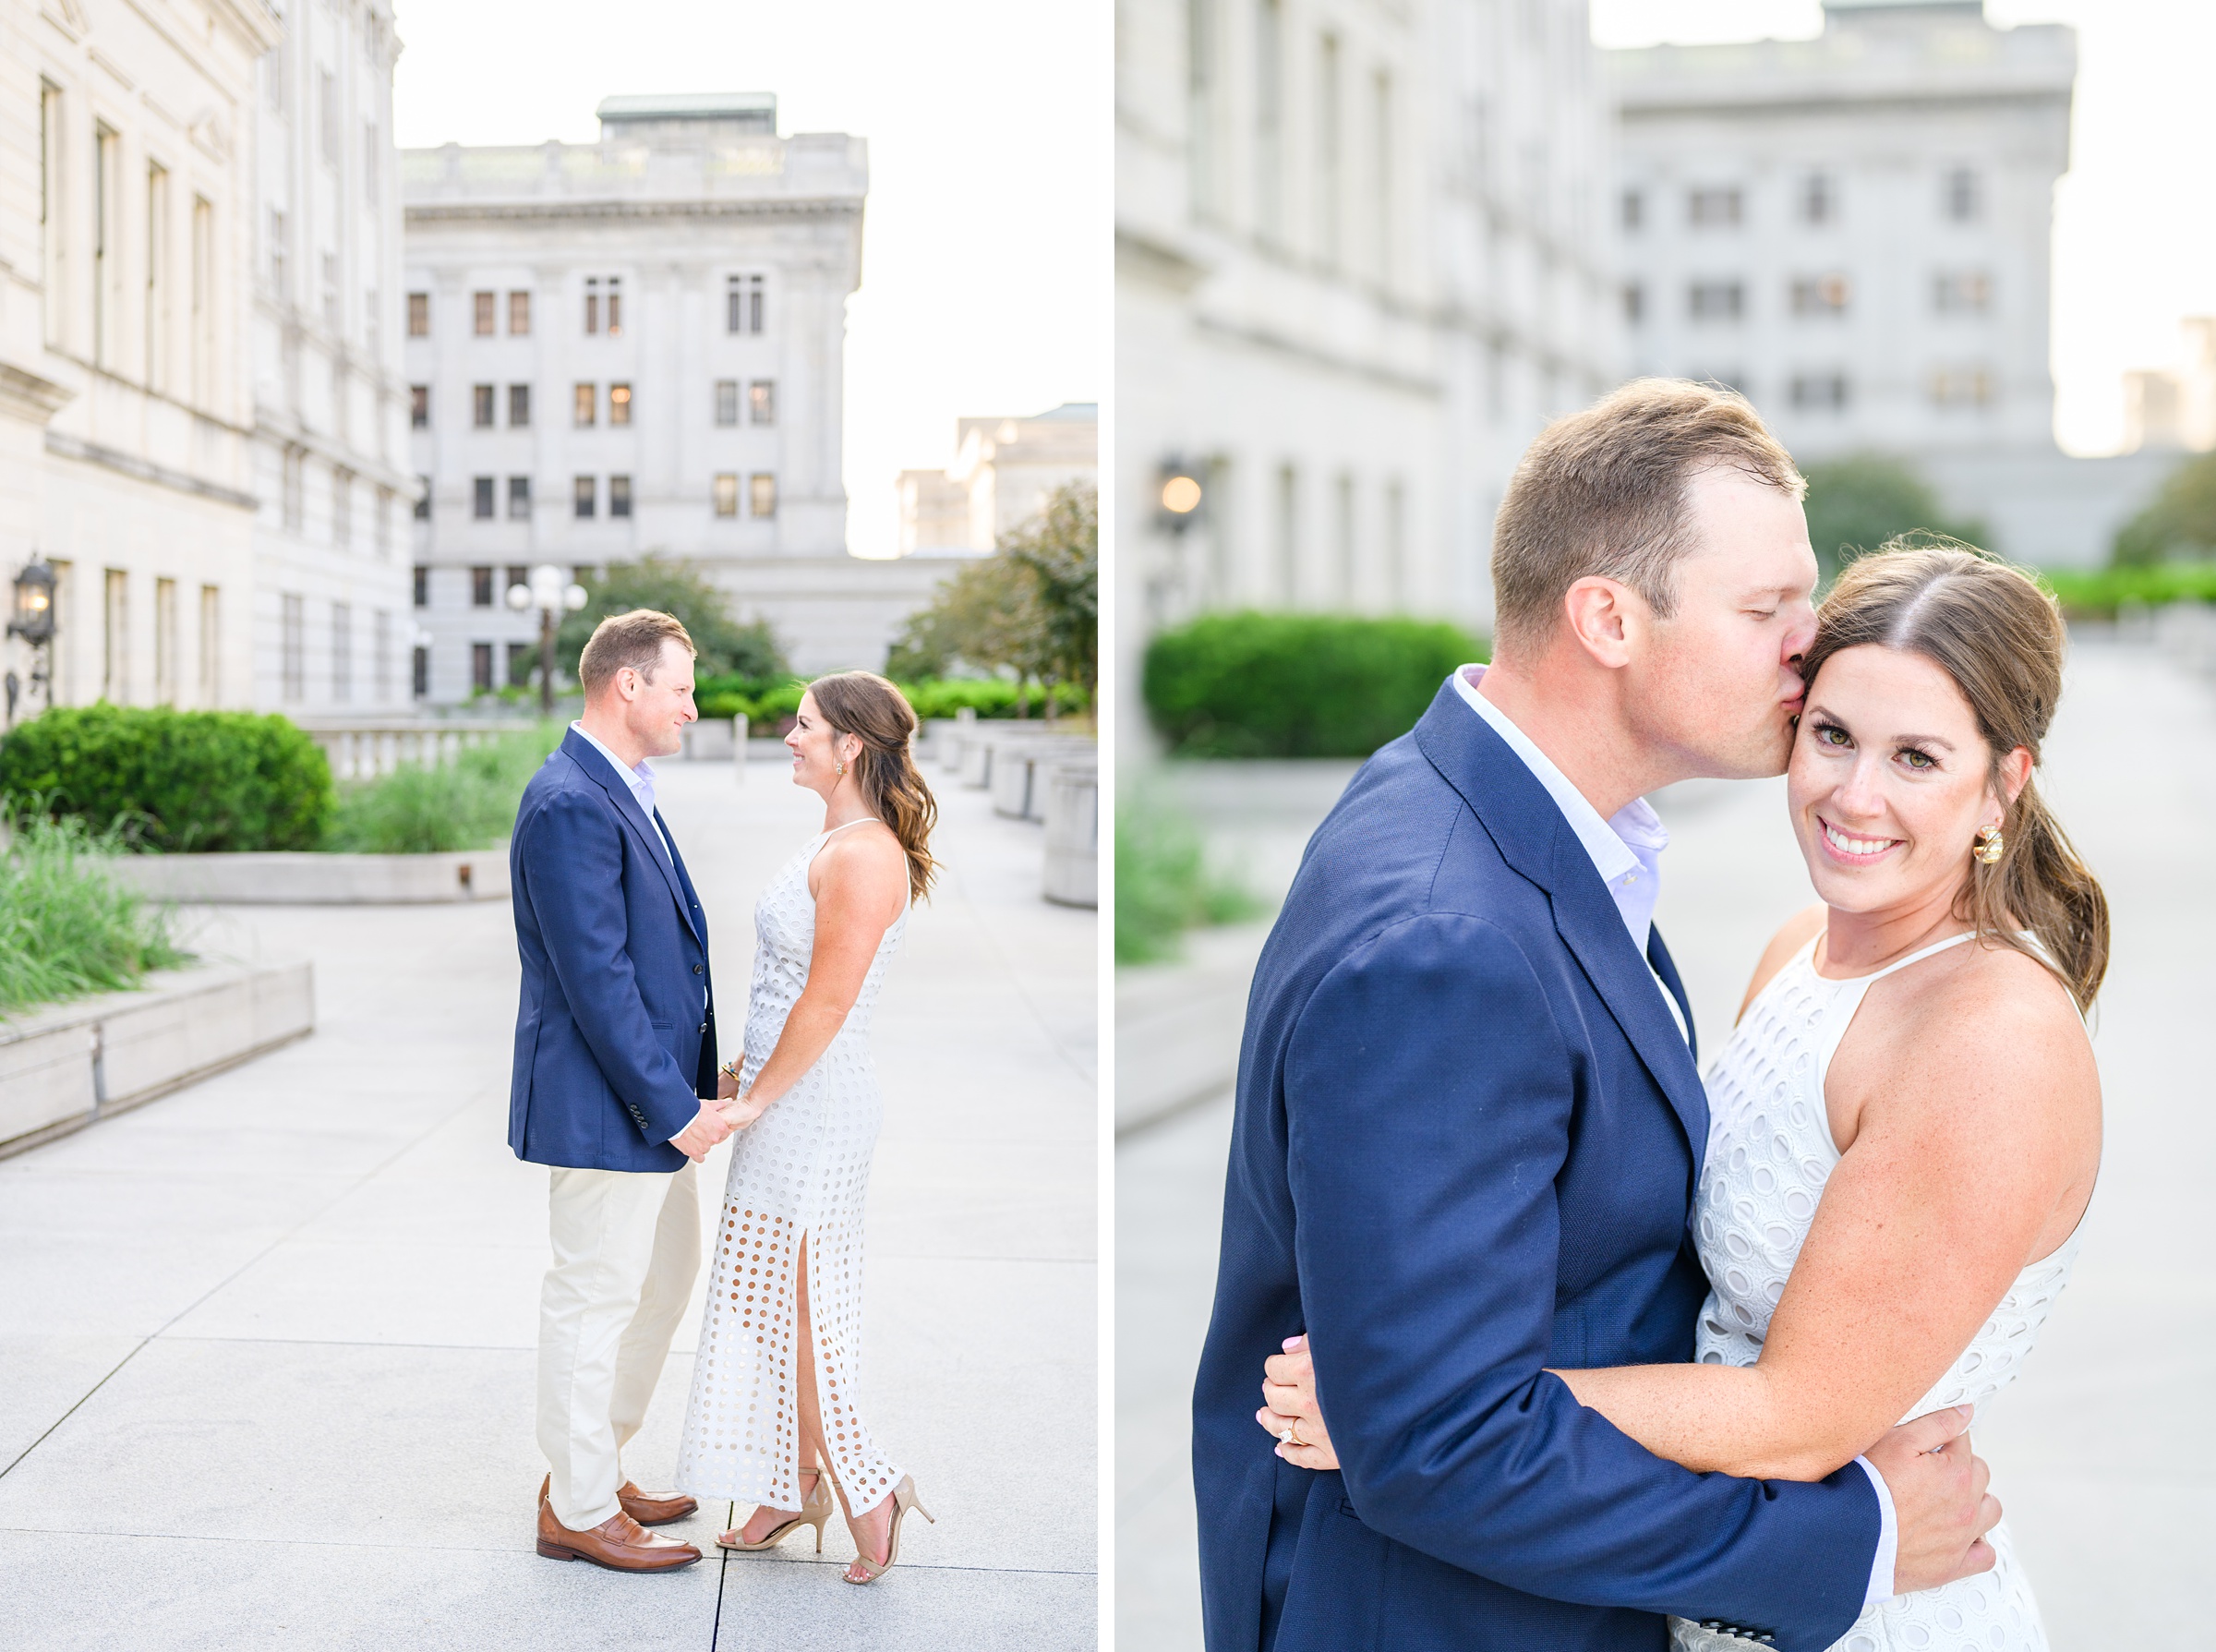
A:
1856, 504
1061, 547
727, 647
2180, 522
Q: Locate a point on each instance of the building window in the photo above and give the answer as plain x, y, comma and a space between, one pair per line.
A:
423, 498
294, 489
1715, 208
1820, 294
727, 400
342, 507
481, 667
592, 304
384, 524
330, 87
1634, 302
1632, 210
519, 664
1717, 300
619, 404
212, 645
615, 305
727, 494
480, 587
419, 315
419, 407
1960, 195
341, 652
1962, 386
762, 494
480, 399
420, 680
587, 497
519, 314
1819, 198
481, 501
481, 313
519, 498
277, 252
369, 149
742, 304
619, 496
165, 642
331, 291
585, 398
518, 574
292, 661
519, 406
761, 401
380, 660
423, 586
1961, 292
1820, 392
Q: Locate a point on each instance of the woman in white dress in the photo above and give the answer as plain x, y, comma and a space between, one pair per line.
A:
1905, 1126
776, 1416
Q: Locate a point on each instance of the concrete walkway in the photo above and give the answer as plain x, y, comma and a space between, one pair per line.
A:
266, 1346
2104, 1455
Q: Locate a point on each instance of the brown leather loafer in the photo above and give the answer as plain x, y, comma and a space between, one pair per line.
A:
648, 1508
618, 1543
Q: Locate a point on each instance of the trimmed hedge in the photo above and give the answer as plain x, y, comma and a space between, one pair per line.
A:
769, 702
172, 780
2098, 593
1296, 685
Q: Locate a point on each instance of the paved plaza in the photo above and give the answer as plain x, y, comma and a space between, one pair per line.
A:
266, 1345
2104, 1455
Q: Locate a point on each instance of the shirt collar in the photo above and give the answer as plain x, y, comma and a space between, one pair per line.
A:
640, 779
1611, 843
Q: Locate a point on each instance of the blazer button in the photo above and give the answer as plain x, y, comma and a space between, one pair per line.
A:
696, 969
703, 1026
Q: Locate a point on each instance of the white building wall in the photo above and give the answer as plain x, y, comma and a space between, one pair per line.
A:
125, 396
671, 211
330, 404
1362, 255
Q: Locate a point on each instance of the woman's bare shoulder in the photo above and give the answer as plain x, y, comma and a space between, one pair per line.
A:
867, 856
1792, 934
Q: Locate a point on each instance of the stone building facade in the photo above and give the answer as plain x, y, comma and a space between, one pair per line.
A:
1363, 253
127, 413
1003, 470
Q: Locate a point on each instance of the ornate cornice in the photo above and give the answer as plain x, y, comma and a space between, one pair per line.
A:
145, 470
26, 395
786, 207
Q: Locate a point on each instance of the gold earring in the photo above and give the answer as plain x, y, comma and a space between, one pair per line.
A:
842, 766
1989, 846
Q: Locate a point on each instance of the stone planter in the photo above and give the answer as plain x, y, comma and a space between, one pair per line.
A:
1019, 765
1073, 834
62, 1068
289, 878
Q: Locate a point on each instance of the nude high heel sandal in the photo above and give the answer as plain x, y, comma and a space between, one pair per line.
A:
904, 1499
814, 1509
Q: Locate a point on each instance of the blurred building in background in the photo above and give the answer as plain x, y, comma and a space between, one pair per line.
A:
1002, 470
2173, 409
1362, 255
635, 347
331, 620
128, 193
1855, 230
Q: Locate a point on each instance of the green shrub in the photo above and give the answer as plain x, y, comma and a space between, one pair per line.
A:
2179, 522
1856, 503
467, 803
1296, 685
65, 929
769, 703
2098, 593
178, 781
1163, 884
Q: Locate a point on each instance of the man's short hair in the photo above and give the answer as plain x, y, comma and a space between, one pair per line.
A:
632, 640
1603, 492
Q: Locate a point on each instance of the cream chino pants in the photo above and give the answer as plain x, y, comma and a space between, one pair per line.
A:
626, 1251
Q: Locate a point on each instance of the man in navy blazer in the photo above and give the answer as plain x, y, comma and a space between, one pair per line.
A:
613, 1085
1469, 1122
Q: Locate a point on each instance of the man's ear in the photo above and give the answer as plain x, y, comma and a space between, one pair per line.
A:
1603, 617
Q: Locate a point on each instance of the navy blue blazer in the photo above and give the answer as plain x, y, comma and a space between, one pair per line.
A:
615, 1038
1466, 1146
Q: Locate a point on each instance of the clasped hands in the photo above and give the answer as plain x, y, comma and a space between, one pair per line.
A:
717, 1121
1941, 1509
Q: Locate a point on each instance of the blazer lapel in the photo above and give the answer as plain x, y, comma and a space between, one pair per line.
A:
588, 759
1528, 827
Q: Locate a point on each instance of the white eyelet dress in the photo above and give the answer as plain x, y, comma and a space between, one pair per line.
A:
801, 1170
1770, 1152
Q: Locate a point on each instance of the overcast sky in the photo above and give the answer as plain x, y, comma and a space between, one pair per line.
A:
2135, 238
987, 250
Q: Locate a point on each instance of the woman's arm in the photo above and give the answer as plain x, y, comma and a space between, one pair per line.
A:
1974, 1141
860, 886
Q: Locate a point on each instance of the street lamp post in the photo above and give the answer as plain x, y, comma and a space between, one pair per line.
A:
553, 596
34, 623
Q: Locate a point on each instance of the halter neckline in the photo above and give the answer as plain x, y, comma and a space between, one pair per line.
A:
1899, 963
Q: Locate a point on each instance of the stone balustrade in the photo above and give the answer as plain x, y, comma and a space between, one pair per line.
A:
365, 748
